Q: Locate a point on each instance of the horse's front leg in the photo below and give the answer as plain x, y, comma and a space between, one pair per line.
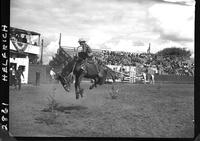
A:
63, 82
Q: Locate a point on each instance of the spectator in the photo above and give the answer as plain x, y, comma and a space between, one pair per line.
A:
20, 39
52, 73
13, 73
24, 39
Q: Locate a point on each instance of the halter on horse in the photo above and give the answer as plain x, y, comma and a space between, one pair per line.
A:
74, 67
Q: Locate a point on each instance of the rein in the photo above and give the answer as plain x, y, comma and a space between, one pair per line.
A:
73, 68
70, 76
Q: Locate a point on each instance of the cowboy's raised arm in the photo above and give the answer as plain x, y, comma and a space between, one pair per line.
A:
79, 47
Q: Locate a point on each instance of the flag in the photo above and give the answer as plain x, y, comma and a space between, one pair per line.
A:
60, 41
148, 50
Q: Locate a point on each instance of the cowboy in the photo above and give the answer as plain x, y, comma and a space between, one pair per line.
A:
87, 51
12, 74
85, 48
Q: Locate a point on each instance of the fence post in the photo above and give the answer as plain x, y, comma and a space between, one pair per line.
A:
37, 78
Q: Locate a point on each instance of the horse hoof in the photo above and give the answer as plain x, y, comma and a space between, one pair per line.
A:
67, 90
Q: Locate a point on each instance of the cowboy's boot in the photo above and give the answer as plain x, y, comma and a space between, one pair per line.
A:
98, 71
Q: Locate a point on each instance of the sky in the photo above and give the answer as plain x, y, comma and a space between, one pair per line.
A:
119, 25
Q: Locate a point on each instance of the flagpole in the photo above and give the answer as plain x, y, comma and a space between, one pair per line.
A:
41, 58
60, 41
149, 48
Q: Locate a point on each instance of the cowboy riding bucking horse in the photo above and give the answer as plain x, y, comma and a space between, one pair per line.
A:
82, 65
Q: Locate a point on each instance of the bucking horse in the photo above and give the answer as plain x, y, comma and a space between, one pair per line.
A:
96, 72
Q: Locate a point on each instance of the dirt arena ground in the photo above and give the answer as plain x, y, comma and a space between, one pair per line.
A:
160, 110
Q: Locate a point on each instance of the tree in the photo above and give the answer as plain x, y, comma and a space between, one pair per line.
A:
174, 51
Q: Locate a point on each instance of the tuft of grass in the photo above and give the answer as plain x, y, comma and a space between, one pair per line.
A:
114, 92
52, 104
51, 115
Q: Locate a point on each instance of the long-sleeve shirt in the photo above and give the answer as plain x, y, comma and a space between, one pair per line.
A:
19, 73
86, 48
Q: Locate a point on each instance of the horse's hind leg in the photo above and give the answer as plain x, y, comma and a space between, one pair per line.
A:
81, 90
76, 88
94, 84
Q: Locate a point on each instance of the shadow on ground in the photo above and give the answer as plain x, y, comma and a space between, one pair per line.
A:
65, 108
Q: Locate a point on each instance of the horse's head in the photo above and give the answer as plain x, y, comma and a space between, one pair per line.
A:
64, 81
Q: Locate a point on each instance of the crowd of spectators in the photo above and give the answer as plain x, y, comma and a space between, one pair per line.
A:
120, 58
176, 65
164, 65
22, 38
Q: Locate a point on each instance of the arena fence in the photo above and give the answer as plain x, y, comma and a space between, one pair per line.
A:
134, 74
40, 74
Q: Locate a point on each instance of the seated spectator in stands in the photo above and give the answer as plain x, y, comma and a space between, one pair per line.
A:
13, 37
17, 37
24, 40
122, 68
20, 39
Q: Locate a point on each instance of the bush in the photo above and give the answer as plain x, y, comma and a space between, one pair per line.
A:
114, 92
